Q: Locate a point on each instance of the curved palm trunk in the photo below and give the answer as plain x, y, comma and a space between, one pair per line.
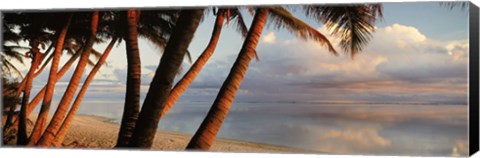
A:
22, 125
23, 83
61, 111
205, 135
161, 85
42, 116
132, 95
22, 138
11, 113
188, 78
33, 104
76, 104
36, 100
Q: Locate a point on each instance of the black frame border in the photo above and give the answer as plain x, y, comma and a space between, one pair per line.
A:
473, 74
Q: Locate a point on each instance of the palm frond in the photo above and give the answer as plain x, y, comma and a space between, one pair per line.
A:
239, 22
96, 54
257, 58
70, 51
154, 37
12, 53
282, 18
452, 5
91, 63
353, 24
17, 47
9, 35
7, 66
189, 57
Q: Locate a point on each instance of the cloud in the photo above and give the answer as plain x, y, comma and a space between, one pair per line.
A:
417, 69
385, 68
147, 73
269, 38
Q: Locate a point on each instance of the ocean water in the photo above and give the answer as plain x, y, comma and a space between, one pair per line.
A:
365, 129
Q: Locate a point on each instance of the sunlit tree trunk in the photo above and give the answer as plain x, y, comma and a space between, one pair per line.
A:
36, 100
63, 106
188, 78
23, 83
33, 104
42, 116
205, 135
22, 138
162, 82
76, 104
132, 96
11, 112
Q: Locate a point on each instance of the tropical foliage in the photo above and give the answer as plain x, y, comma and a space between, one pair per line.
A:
51, 36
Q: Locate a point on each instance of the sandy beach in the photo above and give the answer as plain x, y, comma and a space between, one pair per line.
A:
97, 132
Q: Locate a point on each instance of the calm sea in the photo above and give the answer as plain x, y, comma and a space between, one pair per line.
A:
375, 129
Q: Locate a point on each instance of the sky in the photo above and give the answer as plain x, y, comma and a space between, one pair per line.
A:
418, 54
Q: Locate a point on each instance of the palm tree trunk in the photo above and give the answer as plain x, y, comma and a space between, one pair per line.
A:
11, 113
188, 78
22, 124
36, 100
205, 135
22, 84
132, 96
61, 111
162, 82
76, 104
42, 116
33, 104
22, 138
44, 64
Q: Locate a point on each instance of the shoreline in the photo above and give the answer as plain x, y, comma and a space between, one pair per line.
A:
222, 139
99, 132
109, 121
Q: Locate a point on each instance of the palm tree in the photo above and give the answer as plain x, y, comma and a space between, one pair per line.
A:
205, 135
36, 28
23, 83
11, 120
61, 111
109, 29
40, 95
353, 24
162, 81
9, 53
9, 86
72, 49
9, 100
132, 96
32, 29
203, 140
187, 79
156, 27
36, 56
38, 128
76, 104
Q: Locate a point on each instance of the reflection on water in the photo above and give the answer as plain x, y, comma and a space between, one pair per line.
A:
420, 130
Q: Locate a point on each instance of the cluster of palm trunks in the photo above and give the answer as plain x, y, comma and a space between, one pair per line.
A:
52, 35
